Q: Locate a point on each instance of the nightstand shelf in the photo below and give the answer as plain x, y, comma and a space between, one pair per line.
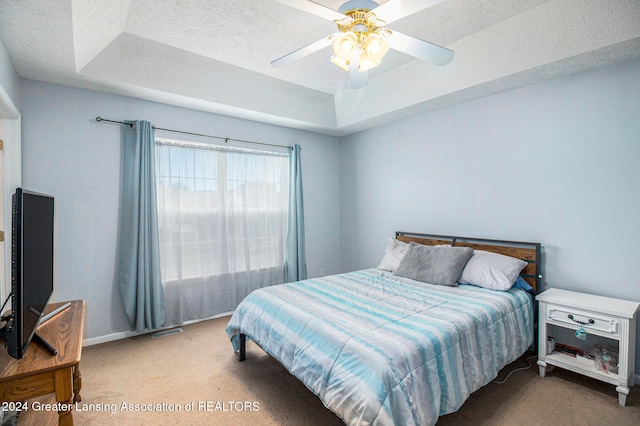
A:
612, 320
585, 367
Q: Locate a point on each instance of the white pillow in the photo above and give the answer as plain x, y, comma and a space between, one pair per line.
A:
393, 255
492, 270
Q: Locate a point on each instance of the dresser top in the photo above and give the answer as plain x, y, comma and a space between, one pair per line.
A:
574, 299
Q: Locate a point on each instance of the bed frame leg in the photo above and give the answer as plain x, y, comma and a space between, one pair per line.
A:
243, 347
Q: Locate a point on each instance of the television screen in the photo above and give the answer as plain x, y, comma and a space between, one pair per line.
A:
32, 262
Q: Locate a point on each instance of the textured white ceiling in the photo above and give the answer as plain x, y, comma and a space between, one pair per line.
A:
216, 55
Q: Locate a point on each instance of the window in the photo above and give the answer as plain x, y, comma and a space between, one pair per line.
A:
220, 211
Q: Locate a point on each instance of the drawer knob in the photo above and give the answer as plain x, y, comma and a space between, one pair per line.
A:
591, 321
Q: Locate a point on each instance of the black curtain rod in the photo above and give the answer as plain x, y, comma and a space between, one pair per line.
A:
100, 119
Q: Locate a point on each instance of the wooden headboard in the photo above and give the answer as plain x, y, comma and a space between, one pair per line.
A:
529, 252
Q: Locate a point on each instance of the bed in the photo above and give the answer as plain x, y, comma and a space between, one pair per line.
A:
378, 347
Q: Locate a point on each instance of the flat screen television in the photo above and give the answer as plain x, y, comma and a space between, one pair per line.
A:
32, 268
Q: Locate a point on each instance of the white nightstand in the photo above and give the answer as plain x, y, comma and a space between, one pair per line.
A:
613, 319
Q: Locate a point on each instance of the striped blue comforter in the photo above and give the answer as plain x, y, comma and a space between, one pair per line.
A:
383, 350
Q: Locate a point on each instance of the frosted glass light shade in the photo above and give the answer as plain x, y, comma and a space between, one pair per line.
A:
344, 45
367, 63
375, 47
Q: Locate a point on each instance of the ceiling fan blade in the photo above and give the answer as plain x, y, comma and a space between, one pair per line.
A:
393, 10
313, 8
357, 79
302, 52
419, 48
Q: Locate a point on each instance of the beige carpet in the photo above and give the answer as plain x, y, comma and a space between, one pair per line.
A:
194, 378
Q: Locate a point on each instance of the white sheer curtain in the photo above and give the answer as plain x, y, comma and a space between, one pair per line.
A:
222, 217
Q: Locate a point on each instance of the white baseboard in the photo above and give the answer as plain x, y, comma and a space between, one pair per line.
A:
126, 334
109, 338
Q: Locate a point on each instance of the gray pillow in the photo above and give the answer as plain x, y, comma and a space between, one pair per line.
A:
441, 265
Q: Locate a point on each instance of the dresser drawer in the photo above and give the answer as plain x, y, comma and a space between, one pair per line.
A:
588, 320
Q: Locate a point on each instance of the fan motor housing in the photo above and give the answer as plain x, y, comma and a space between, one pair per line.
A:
366, 5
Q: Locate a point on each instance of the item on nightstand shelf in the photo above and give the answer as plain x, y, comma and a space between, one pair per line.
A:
551, 344
605, 359
580, 355
568, 350
581, 333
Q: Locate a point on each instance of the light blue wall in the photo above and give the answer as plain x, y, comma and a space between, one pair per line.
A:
67, 155
556, 162
9, 117
9, 79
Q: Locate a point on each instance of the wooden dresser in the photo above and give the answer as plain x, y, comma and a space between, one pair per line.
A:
39, 373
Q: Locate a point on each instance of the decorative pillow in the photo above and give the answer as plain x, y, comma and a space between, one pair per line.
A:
522, 283
492, 270
393, 255
441, 265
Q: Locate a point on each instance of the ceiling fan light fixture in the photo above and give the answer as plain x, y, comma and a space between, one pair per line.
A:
361, 37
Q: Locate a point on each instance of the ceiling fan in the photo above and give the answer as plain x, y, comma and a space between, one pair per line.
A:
363, 41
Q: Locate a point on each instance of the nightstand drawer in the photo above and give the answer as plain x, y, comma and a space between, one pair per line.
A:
588, 320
